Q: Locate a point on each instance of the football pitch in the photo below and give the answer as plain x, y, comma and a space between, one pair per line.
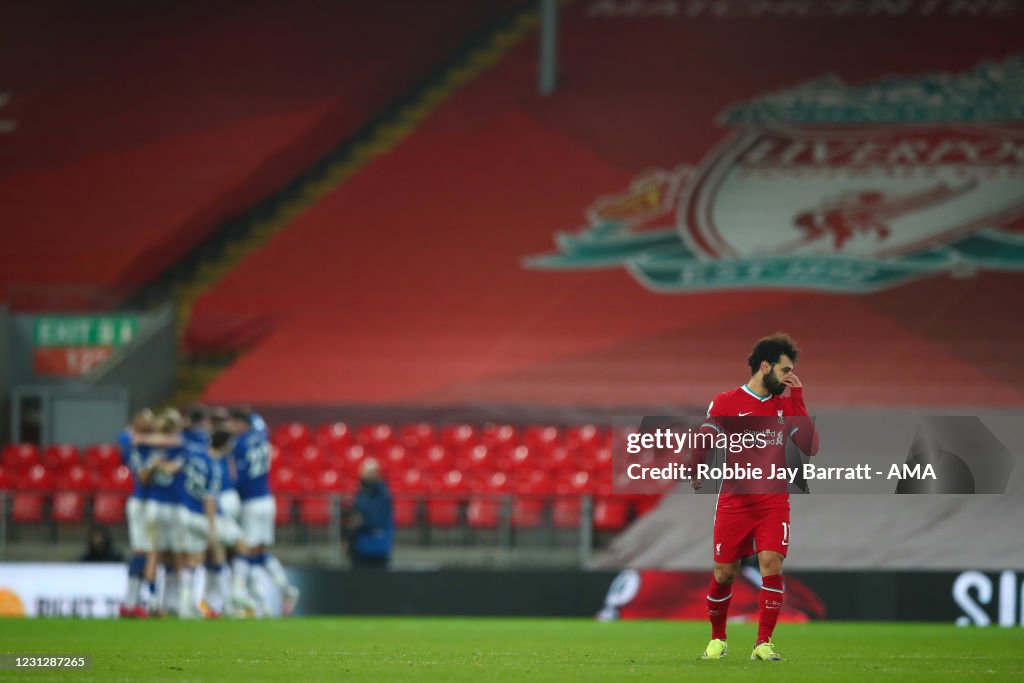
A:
455, 649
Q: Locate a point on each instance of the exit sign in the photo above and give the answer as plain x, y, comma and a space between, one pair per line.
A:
71, 345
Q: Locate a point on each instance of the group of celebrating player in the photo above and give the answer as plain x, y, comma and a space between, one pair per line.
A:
201, 499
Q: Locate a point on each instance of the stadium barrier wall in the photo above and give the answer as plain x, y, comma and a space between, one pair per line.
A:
964, 598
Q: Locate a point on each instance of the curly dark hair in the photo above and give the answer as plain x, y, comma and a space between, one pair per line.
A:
770, 348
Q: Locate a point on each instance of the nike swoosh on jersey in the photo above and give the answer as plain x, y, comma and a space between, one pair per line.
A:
746, 413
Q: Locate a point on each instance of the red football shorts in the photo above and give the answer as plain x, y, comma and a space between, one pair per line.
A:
746, 531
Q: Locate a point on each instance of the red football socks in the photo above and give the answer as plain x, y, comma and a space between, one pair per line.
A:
719, 596
772, 594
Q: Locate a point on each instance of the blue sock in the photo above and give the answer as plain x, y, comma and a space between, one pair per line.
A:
136, 565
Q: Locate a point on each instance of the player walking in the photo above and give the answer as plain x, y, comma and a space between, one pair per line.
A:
753, 517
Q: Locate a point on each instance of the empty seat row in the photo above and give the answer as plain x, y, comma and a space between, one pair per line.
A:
22, 456
422, 434
74, 478
609, 513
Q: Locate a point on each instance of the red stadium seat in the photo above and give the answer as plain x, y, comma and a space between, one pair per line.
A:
102, 457
601, 458
483, 512
307, 481
437, 459
442, 512
527, 512
111, 480
329, 481
353, 457
528, 507
27, 507
284, 480
38, 479
68, 507
542, 438
395, 457
315, 510
535, 482
118, 480
458, 436
334, 436
285, 457
418, 435
406, 511
454, 481
19, 456
524, 458
558, 459
76, 478
578, 483
375, 437
583, 437
499, 436
610, 514
480, 459
566, 513
495, 482
283, 510
60, 457
108, 508
410, 481
334, 461
311, 459
292, 435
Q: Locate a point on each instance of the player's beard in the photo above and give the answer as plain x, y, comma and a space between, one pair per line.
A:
773, 385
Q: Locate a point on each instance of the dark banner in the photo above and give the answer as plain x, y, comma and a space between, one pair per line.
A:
452, 592
962, 598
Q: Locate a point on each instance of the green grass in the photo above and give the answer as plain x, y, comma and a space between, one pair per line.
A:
428, 649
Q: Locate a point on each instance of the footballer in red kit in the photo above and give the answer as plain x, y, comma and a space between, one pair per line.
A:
752, 516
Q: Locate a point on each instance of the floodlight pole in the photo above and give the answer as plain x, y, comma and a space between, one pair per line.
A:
548, 46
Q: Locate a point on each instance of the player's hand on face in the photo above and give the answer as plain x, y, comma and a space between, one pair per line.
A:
792, 381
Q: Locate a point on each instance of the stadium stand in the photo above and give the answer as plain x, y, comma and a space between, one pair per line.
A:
446, 477
122, 158
405, 285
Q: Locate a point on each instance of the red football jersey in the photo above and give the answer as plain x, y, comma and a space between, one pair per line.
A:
777, 419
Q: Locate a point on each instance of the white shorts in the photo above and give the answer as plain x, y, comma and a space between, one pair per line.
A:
140, 527
230, 504
228, 531
167, 527
195, 531
258, 521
